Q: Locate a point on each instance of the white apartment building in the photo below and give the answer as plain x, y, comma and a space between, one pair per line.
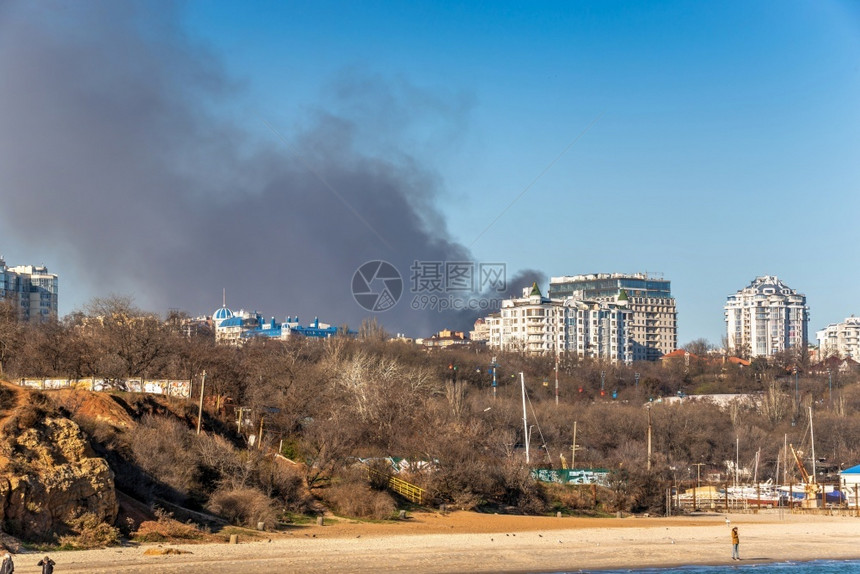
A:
541, 325
31, 289
840, 340
765, 318
652, 326
481, 332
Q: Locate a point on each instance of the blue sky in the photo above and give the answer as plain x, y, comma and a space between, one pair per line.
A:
707, 142
724, 139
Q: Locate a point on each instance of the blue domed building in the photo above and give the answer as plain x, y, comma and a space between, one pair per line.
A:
221, 314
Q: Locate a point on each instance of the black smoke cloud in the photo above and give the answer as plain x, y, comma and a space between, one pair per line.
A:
119, 152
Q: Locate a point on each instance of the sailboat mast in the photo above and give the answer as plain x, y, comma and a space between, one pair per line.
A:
755, 472
525, 417
737, 457
776, 474
649, 437
812, 440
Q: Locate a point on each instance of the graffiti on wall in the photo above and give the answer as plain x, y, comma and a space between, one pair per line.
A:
171, 388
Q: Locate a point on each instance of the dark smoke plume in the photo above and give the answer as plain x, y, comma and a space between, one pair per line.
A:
118, 151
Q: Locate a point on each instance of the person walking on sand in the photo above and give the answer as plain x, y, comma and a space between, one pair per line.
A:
735, 542
47, 565
7, 566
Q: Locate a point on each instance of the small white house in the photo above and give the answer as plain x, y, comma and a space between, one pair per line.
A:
850, 476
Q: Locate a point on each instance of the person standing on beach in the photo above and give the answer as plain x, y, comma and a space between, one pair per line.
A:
7, 566
735, 542
47, 565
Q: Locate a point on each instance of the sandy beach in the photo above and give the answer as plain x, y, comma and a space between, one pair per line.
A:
469, 542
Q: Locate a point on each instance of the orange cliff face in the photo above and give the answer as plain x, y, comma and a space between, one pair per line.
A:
49, 475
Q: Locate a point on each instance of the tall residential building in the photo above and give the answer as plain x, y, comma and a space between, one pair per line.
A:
653, 322
542, 325
840, 339
765, 318
31, 289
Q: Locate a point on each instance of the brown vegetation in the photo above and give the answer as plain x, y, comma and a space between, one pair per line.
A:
324, 405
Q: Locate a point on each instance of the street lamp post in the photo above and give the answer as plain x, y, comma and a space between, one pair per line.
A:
796, 390
493, 366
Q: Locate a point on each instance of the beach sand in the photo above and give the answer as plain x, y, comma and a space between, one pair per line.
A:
471, 542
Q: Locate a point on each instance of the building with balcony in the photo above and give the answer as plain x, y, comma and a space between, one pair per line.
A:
481, 332
653, 320
542, 325
765, 318
840, 340
31, 289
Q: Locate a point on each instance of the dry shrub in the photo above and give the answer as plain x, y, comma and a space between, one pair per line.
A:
162, 447
220, 464
285, 483
165, 528
379, 473
358, 500
164, 552
7, 397
571, 497
90, 532
518, 488
28, 416
243, 506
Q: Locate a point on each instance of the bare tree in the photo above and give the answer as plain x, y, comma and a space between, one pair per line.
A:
10, 331
131, 342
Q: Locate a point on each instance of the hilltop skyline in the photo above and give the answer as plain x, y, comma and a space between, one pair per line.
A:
167, 151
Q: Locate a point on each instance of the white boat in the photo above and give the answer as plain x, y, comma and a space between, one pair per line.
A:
761, 495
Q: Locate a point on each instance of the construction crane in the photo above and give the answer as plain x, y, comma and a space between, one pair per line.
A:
803, 474
808, 481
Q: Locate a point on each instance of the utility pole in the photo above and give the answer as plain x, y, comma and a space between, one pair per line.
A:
200, 409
